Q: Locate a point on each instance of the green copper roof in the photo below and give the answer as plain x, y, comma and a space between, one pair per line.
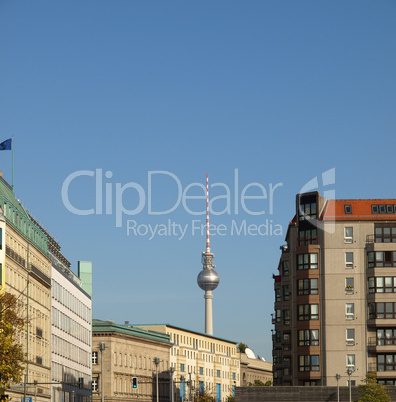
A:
19, 219
108, 326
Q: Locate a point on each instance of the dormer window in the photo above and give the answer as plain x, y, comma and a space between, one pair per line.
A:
348, 209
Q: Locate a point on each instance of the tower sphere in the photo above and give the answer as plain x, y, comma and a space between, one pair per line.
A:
208, 279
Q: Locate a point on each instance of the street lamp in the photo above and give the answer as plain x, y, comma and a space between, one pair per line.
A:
349, 372
102, 347
156, 362
338, 376
171, 371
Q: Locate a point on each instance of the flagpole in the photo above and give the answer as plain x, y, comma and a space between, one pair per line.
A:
12, 149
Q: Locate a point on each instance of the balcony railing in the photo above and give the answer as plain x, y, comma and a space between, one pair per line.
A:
380, 238
373, 342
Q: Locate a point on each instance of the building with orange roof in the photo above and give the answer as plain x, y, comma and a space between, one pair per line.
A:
335, 293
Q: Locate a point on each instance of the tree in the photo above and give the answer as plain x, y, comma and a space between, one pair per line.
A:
12, 355
371, 391
205, 396
242, 347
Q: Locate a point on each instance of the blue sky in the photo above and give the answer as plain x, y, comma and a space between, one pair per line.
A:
277, 91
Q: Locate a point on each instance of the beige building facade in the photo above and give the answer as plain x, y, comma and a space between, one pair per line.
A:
253, 370
208, 363
335, 293
26, 272
128, 353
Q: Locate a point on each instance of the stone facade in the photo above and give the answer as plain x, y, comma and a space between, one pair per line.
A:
211, 363
27, 274
300, 394
254, 369
129, 352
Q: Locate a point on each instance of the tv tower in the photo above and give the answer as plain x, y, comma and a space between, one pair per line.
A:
208, 279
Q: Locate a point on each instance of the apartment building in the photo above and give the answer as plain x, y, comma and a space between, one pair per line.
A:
26, 272
335, 293
201, 362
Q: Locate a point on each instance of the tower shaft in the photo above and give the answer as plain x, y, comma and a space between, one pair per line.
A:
208, 312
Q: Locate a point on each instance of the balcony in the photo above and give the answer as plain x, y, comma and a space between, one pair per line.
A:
383, 345
380, 242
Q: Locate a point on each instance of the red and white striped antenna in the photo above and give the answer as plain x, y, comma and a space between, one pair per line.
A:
207, 215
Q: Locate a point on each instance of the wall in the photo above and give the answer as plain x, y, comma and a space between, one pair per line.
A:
302, 394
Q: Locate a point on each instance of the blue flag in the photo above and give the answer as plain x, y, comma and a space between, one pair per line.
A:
7, 144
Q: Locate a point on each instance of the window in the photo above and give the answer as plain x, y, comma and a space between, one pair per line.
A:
94, 385
349, 283
348, 234
350, 311
307, 237
278, 296
386, 362
381, 259
182, 367
350, 336
286, 294
348, 209
350, 361
278, 315
374, 209
308, 337
218, 373
285, 268
308, 363
386, 336
286, 317
307, 286
308, 312
388, 284
349, 259
307, 261
94, 357
234, 376
385, 234
307, 211
201, 370
382, 310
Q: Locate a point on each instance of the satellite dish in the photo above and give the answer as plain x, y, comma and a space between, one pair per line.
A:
249, 353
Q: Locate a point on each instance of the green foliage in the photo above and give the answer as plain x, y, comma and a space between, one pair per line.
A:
205, 396
11, 351
258, 383
371, 391
242, 347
